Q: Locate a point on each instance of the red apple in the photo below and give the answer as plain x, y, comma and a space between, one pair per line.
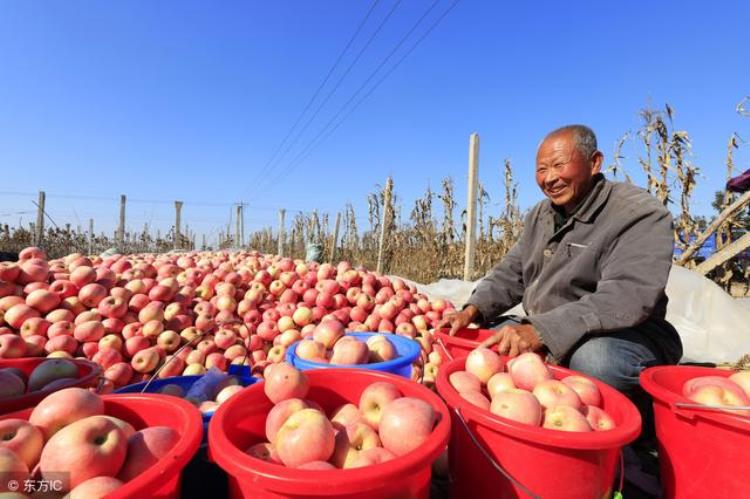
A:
305, 436
565, 418
518, 405
406, 423
374, 399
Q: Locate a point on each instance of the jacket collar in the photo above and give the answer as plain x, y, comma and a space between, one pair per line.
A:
591, 205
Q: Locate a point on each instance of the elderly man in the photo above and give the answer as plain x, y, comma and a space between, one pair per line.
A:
590, 268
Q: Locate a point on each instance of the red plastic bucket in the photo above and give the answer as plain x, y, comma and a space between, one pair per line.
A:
88, 376
163, 479
701, 453
240, 423
459, 346
548, 463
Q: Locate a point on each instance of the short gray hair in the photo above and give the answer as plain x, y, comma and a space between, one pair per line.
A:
585, 139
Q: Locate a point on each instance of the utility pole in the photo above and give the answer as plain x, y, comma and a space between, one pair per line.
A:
471, 205
39, 235
280, 249
177, 222
121, 228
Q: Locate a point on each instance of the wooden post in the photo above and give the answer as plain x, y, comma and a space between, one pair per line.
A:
177, 221
738, 204
726, 253
335, 237
242, 225
39, 234
121, 228
238, 241
91, 236
385, 222
471, 206
280, 248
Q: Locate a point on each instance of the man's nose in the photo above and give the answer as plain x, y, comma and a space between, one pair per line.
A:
551, 177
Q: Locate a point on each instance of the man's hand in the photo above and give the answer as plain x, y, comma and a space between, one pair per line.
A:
458, 320
515, 339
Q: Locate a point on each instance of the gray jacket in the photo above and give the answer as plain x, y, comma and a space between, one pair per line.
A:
604, 270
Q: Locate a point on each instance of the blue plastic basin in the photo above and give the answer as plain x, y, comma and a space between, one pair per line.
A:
408, 352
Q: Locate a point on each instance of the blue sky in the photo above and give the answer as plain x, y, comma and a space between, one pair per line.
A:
189, 100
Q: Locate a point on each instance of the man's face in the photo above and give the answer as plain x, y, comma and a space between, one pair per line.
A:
563, 173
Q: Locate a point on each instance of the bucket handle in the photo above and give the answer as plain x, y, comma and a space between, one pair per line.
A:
156, 373
439, 341
489, 458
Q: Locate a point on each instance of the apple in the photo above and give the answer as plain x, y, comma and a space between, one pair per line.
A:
406, 423
371, 457
551, 393
89, 331
153, 328
169, 341
145, 448
374, 399
381, 349
64, 407
35, 326
50, 370
285, 382
194, 370
119, 374
598, 419
565, 418
350, 352
464, 381
350, 441
715, 395
91, 294
277, 354
328, 332
90, 447
691, 386
12, 346
518, 405
302, 316
217, 360
586, 389
279, 413
483, 363
309, 349
347, 414
228, 392
145, 361
305, 436
264, 451
136, 344
16, 315
476, 398
23, 438
527, 370
100, 486
12, 468
499, 382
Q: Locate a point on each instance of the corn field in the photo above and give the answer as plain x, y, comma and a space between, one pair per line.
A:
425, 241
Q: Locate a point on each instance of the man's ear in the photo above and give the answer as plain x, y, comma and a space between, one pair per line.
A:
596, 162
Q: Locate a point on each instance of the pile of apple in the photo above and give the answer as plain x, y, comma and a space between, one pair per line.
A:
68, 437
132, 313
383, 426
48, 375
528, 393
720, 391
330, 344
228, 387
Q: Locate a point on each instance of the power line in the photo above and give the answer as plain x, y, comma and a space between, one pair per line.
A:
324, 134
332, 92
320, 87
